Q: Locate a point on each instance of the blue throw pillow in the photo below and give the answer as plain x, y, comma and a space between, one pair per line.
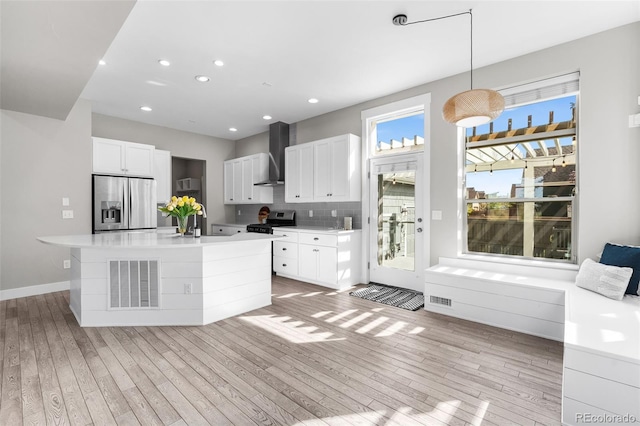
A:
627, 256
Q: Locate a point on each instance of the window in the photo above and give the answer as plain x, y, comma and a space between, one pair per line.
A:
520, 176
400, 133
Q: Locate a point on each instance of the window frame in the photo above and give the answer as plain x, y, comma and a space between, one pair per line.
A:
463, 250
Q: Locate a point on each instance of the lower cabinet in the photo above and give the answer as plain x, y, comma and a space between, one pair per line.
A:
329, 258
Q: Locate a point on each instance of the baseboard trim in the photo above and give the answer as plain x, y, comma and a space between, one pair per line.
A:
34, 290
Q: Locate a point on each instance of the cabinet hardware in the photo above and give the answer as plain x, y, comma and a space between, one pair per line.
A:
250, 198
419, 219
419, 229
316, 239
284, 264
284, 249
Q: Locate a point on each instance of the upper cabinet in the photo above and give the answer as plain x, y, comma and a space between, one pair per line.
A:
162, 174
324, 170
122, 158
298, 172
241, 174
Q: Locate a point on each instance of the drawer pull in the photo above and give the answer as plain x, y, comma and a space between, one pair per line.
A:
284, 249
315, 238
284, 264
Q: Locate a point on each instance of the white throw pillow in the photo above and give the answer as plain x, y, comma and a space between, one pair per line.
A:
607, 280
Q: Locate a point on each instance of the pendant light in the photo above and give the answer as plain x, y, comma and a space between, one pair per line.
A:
472, 107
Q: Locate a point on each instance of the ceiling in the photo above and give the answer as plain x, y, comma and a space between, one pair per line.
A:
50, 50
278, 54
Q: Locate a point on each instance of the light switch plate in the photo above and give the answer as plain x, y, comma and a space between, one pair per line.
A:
66, 264
65, 201
436, 215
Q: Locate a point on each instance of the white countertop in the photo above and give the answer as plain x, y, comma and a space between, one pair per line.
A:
316, 229
147, 240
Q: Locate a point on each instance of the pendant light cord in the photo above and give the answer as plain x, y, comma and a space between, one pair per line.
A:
404, 24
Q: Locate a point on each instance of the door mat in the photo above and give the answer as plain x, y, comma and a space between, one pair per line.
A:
394, 296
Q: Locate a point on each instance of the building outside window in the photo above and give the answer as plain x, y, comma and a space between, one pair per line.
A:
520, 189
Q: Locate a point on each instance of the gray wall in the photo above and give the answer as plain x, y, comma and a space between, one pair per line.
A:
43, 160
181, 144
609, 150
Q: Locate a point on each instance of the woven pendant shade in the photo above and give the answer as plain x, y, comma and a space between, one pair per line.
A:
473, 107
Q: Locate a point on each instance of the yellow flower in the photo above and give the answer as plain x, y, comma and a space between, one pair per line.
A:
192, 200
197, 207
185, 198
200, 212
180, 203
174, 198
170, 207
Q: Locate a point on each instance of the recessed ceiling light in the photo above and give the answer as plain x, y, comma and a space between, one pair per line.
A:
233, 129
202, 78
102, 62
145, 108
313, 101
266, 117
218, 62
164, 62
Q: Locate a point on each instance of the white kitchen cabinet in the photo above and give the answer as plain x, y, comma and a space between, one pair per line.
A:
323, 171
122, 158
227, 229
241, 174
328, 258
298, 170
162, 175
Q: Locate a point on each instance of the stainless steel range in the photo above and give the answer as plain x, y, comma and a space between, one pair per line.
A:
274, 220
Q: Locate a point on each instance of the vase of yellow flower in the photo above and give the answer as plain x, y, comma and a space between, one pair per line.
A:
181, 208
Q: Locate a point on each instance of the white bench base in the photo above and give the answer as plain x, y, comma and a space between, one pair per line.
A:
601, 373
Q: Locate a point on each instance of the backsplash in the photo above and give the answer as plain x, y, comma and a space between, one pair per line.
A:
321, 211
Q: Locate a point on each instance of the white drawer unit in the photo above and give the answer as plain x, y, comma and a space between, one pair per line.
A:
285, 249
314, 256
327, 240
227, 229
288, 235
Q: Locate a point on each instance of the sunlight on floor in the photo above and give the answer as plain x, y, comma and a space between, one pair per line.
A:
443, 413
289, 330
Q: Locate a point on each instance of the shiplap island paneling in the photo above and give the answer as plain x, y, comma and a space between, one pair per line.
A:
155, 279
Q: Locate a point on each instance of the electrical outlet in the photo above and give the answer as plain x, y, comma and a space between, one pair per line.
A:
239, 212
436, 215
334, 213
188, 288
66, 264
67, 214
310, 213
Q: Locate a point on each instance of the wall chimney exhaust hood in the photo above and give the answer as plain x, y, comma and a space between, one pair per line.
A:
278, 141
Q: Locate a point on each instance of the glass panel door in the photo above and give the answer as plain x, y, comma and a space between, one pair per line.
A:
396, 222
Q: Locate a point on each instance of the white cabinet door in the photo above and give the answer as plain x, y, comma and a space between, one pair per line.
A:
162, 175
247, 179
122, 158
139, 159
322, 171
292, 174
318, 263
307, 261
327, 258
332, 168
298, 183
340, 172
108, 156
306, 173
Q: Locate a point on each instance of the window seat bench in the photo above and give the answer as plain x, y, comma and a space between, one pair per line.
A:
601, 371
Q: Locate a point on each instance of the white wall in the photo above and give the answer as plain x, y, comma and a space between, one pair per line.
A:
609, 151
181, 144
43, 160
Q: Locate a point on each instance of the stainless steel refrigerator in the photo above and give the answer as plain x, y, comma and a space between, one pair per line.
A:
122, 203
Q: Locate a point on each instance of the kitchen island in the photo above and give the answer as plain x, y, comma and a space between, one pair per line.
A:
142, 278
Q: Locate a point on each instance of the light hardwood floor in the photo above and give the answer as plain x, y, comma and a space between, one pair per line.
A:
313, 357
